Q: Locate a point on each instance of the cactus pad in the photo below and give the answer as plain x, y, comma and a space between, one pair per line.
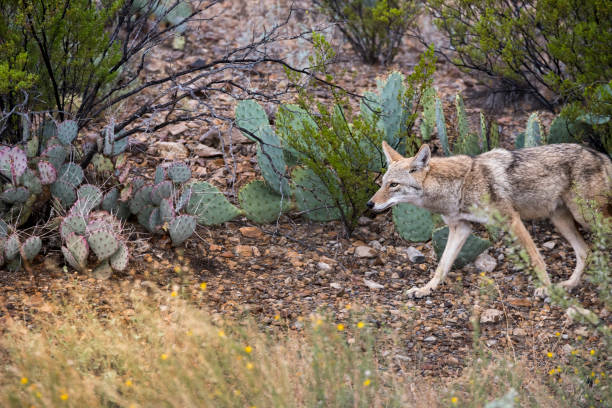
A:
110, 200
441, 128
64, 192
47, 172
154, 220
181, 228
31, 181
179, 172
31, 247
90, 195
161, 191
56, 155
533, 133
119, 260
3, 229
473, 247
103, 243
70, 259
72, 174
79, 249
160, 174
166, 210
251, 116
15, 195
72, 223
144, 215
271, 160
312, 196
260, 203
32, 147
103, 271
11, 247
67, 131
560, 131
102, 164
183, 199
13, 163
141, 198
412, 223
209, 205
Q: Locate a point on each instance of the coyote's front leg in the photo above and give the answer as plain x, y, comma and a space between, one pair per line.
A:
457, 235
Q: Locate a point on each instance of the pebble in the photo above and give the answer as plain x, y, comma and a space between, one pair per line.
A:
364, 221
519, 332
376, 245
370, 273
364, 251
372, 285
549, 244
430, 339
428, 302
335, 285
414, 255
485, 263
170, 150
324, 267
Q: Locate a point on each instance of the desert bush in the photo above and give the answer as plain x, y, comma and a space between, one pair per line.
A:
557, 50
374, 28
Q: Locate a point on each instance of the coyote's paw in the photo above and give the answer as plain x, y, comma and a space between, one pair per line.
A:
541, 292
418, 292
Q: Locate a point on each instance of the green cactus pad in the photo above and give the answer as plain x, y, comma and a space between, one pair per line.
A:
102, 164
138, 182
141, 198
110, 200
15, 195
473, 247
119, 260
3, 229
105, 221
251, 116
412, 223
467, 142
394, 114
72, 223
260, 203
103, 243
72, 174
533, 133
179, 172
271, 160
154, 221
161, 191
209, 205
70, 259
67, 131
56, 155
13, 163
428, 121
441, 128
32, 147
64, 192
181, 228
90, 195
292, 119
11, 247
312, 196
160, 174
48, 130
560, 131
103, 271
494, 136
113, 145
166, 210
47, 172
31, 247
31, 181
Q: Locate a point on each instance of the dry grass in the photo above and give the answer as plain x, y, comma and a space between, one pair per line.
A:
139, 349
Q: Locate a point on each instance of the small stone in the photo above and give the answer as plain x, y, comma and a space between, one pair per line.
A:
178, 43
170, 150
202, 150
364, 251
414, 255
456, 335
549, 245
376, 245
364, 220
335, 285
176, 130
491, 342
370, 273
372, 285
430, 339
256, 251
519, 332
244, 250
429, 302
395, 275
251, 232
325, 267
485, 263
491, 316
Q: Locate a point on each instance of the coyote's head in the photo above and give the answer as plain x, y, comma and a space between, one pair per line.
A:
403, 181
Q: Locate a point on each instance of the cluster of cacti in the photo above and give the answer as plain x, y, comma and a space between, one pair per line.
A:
560, 131
15, 253
158, 205
85, 231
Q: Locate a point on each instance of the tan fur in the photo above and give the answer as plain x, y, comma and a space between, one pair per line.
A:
531, 183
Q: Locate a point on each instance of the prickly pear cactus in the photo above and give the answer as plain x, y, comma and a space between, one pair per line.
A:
260, 203
312, 196
441, 127
428, 119
412, 223
67, 131
533, 133
181, 228
209, 205
179, 172
251, 116
473, 247
120, 259
467, 142
30, 248
560, 131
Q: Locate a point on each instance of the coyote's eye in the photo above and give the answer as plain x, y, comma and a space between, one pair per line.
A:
392, 185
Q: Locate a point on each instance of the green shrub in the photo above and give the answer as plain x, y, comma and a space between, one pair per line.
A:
374, 28
557, 50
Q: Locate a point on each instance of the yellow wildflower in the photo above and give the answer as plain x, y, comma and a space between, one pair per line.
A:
203, 285
557, 334
340, 327
248, 349
592, 352
164, 356
64, 396
550, 355
221, 333
173, 294
454, 400
128, 383
249, 366
367, 382
24, 380
347, 306
360, 325
276, 317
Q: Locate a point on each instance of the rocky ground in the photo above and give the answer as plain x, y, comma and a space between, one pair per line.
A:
280, 273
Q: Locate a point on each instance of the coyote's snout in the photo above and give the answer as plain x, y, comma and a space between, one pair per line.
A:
537, 182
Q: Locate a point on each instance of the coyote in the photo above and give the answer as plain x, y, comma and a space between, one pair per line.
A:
530, 183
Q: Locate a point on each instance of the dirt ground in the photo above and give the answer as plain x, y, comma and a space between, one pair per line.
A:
280, 273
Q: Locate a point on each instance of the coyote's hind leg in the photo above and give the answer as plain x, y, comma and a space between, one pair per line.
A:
564, 222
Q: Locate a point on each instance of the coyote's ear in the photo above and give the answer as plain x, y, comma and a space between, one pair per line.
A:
421, 160
390, 154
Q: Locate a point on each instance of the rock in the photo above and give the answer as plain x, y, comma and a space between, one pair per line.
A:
414, 255
372, 285
178, 129
430, 339
251, 232
325, 267
335, 285
485, 263
491, 316
566, 349
549, 245
370, 273
364, 221
395, 275
364, 251
244, 250
491, 342
519, 332
170, 150
376, 245
456, 335
204, 151
178, 43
